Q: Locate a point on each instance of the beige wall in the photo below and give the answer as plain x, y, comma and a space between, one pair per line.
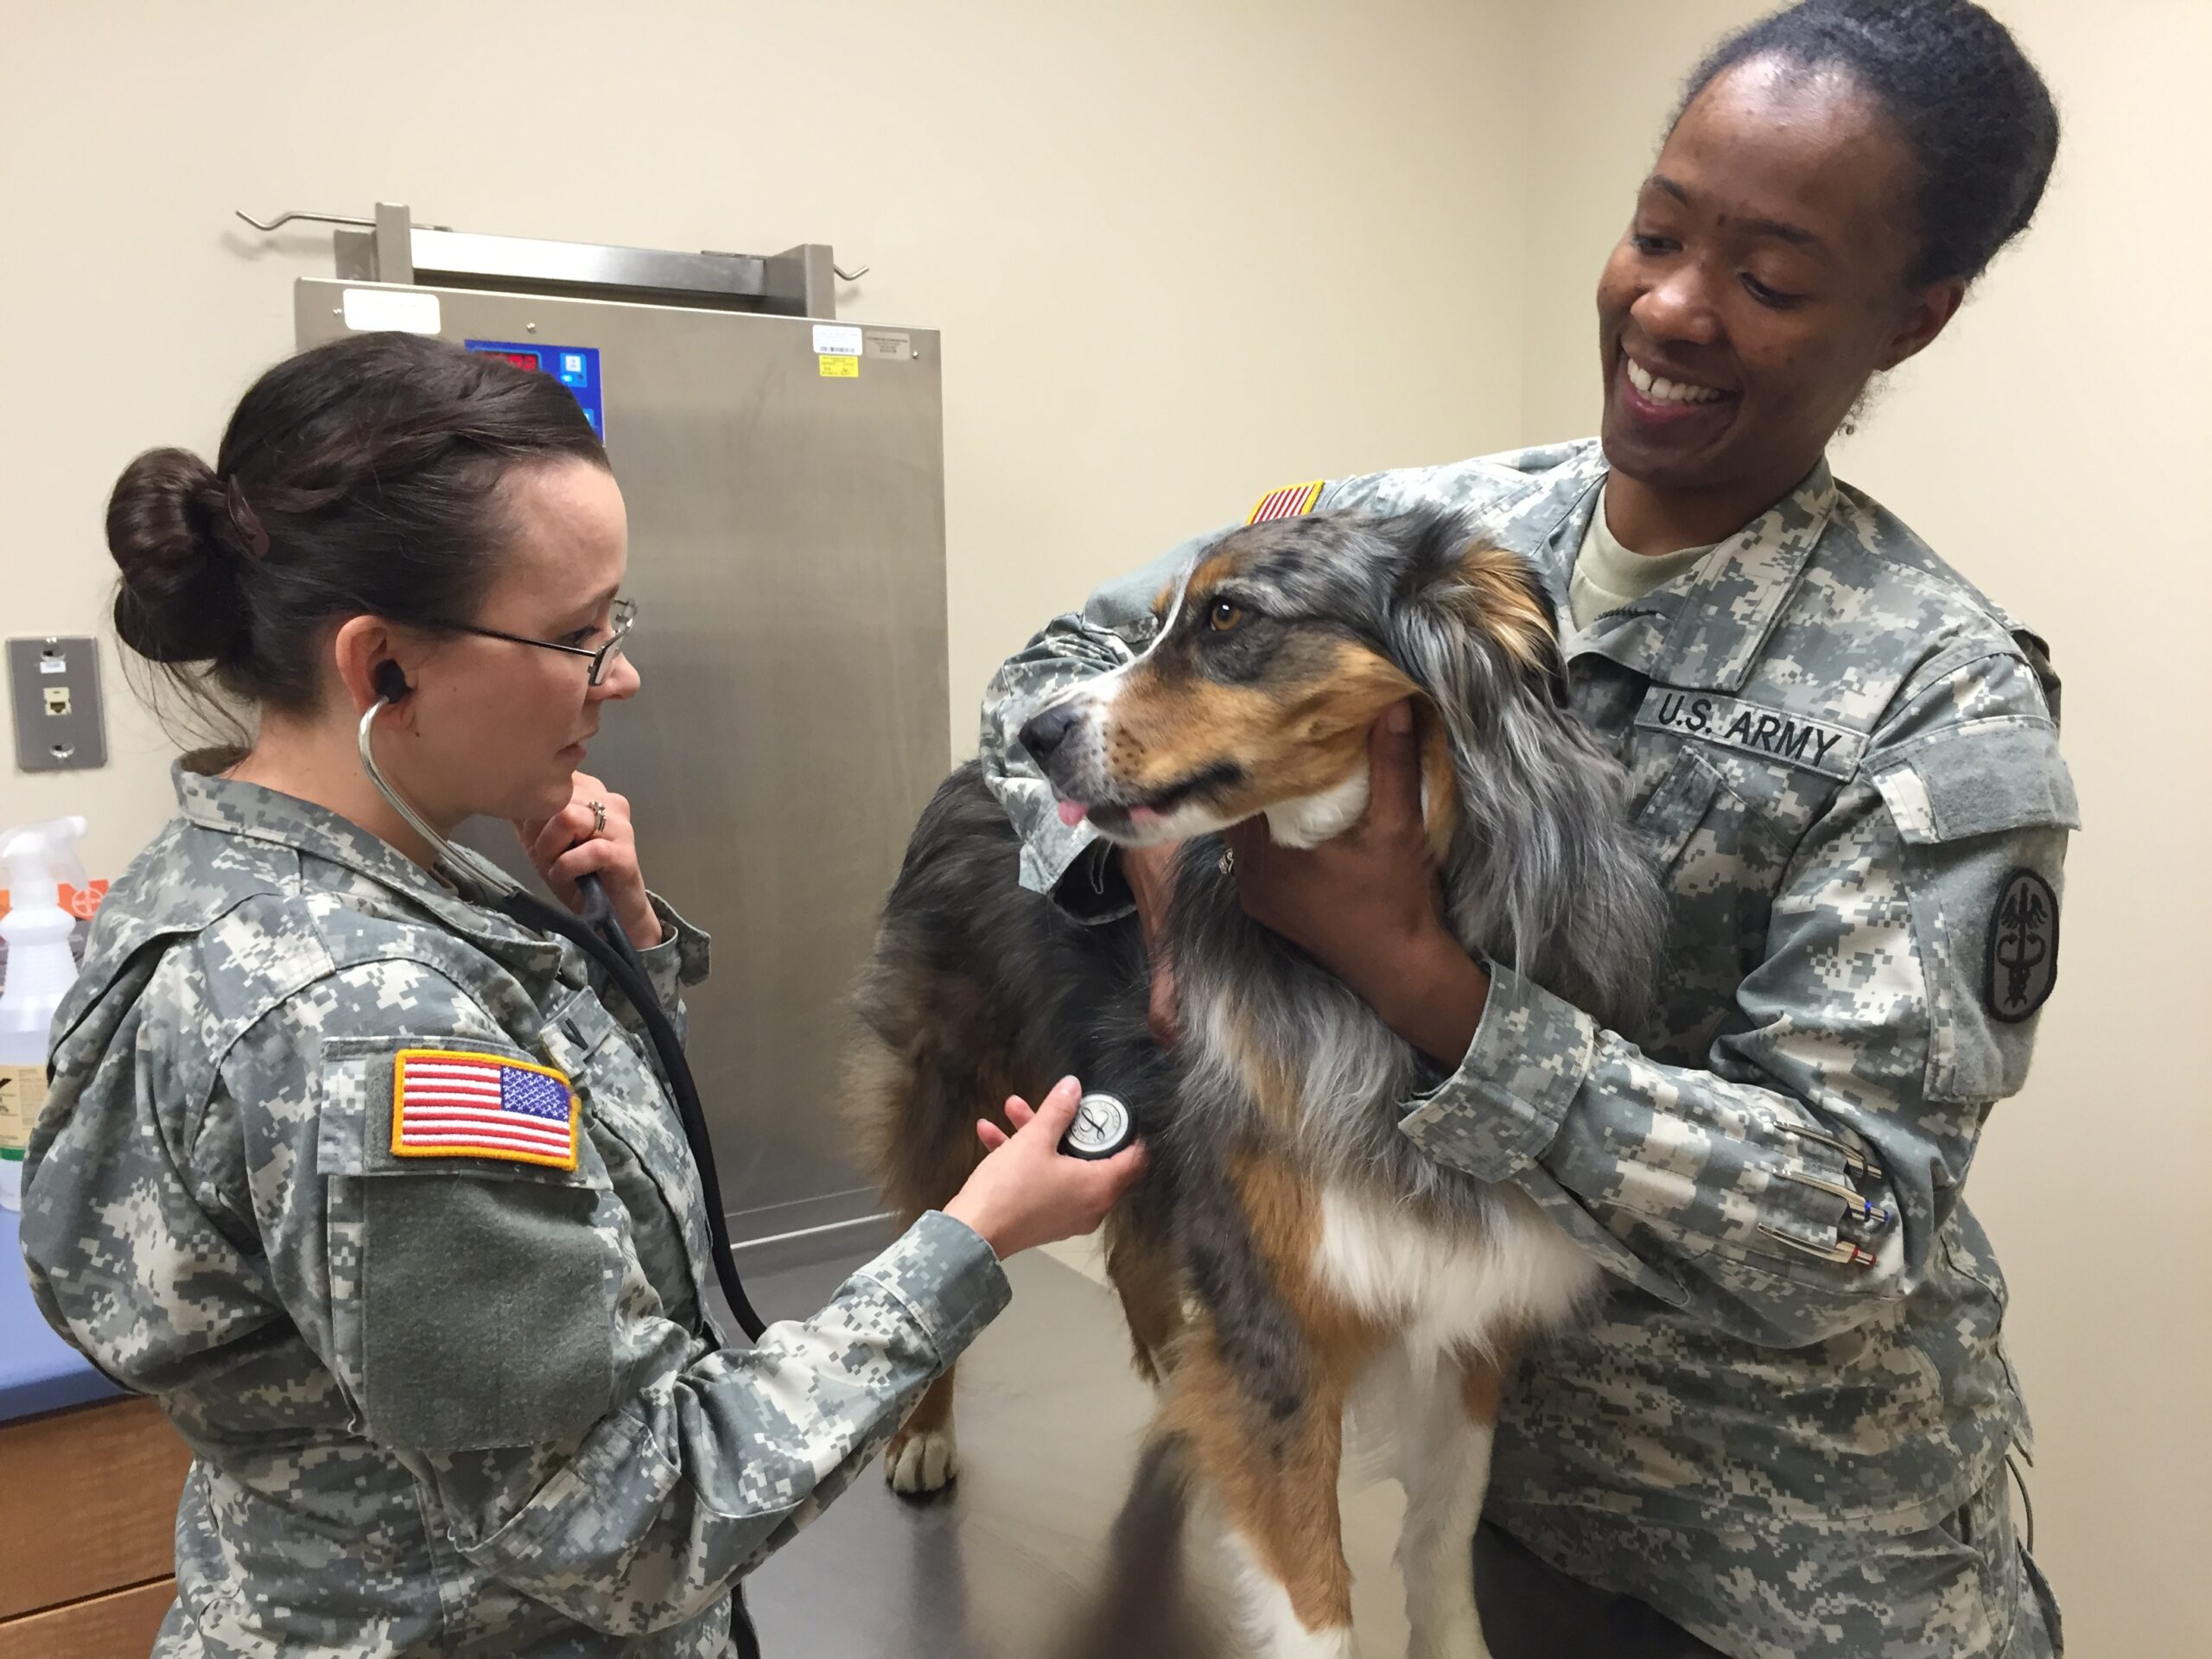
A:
1151, 232
1182, 253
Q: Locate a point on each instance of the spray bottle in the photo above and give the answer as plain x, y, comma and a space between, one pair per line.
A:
41, 969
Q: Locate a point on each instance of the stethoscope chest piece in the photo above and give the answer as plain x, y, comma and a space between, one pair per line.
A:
1102, 1126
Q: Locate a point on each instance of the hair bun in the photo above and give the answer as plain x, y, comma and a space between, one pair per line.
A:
180, 600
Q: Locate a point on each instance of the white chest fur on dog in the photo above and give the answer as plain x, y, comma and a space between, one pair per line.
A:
1309, 820
1447, 1294
1450, 1292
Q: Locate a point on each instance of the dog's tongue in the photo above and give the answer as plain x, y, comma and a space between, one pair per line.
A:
1073, 812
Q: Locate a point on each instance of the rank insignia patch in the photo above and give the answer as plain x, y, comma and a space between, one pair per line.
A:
450, 1104
2023, 947
1287, 502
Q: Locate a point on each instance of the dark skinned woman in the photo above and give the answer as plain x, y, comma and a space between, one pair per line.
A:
1785, 1432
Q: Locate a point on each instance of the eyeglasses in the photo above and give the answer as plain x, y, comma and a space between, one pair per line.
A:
624, 619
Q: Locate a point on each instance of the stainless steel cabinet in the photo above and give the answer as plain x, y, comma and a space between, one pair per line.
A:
787, 554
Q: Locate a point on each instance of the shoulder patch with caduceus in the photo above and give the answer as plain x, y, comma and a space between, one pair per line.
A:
2023, 947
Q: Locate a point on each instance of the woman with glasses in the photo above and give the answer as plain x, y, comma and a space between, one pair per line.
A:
361, 1177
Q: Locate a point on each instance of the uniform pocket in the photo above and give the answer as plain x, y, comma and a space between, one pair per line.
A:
1677, 806
634, 1126
473, 1298
1720, 865
1967, 1251
2030, 1642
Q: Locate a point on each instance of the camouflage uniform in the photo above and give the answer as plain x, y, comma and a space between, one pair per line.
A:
437, 1404
1787, 1427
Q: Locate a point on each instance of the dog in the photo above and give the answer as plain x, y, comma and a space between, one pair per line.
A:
1289, 1255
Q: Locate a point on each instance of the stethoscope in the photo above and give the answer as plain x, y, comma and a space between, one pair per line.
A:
601, 937
1103, 1124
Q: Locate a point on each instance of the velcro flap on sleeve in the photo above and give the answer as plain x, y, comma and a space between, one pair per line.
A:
457, 1105
474, 1260
1977, 780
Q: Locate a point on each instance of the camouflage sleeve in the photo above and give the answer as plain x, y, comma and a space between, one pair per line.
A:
678, 960
492, 1324
706, 1469
138, 1226
1796, 1186
1112, 626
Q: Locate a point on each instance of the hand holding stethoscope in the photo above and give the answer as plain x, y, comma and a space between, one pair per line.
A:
593, 835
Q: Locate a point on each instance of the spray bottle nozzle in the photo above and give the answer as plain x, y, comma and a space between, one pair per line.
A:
39, 857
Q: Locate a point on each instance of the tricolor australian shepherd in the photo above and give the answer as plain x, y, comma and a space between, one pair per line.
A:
1289, 1254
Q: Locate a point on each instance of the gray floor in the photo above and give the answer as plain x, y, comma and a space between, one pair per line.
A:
1057, 1541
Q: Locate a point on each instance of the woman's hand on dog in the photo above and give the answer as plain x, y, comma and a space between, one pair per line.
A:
1026, 1191
1368, 905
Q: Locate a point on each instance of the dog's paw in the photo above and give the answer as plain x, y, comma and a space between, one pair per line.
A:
922, 1461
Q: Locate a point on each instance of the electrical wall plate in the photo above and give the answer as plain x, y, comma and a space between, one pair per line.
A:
56, 686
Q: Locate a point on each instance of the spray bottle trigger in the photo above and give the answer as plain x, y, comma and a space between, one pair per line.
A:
37, 855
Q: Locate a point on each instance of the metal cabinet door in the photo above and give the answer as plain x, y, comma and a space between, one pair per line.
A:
787, 556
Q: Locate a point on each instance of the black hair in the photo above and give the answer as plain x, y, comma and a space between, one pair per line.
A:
1975, 113
356, 478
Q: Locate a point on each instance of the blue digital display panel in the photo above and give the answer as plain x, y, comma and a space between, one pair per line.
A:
575, 367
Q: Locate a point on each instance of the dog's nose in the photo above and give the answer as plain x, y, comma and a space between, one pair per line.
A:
1047, 729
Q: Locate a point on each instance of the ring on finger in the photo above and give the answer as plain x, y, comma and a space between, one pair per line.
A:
597, 816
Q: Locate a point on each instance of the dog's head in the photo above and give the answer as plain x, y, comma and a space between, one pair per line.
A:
1275, 655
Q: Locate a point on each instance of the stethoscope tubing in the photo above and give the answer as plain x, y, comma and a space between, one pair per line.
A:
600, 936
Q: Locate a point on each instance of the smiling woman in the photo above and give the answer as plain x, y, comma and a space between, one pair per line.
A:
1785, 1429
1836, 177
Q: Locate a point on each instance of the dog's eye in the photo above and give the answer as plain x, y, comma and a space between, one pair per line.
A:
1225, 615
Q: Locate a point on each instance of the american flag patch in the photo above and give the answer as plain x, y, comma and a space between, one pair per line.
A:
449, 1104
1287, 502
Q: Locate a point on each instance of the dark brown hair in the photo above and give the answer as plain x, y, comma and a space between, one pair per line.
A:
1975, 113
357, 478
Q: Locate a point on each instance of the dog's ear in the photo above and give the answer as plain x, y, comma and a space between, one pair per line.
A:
1457, 595
1507, 602
1439, 778
1460, 626
1555, 625
1567, 894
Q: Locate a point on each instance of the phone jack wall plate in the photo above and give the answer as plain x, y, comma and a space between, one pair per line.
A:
55, 684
